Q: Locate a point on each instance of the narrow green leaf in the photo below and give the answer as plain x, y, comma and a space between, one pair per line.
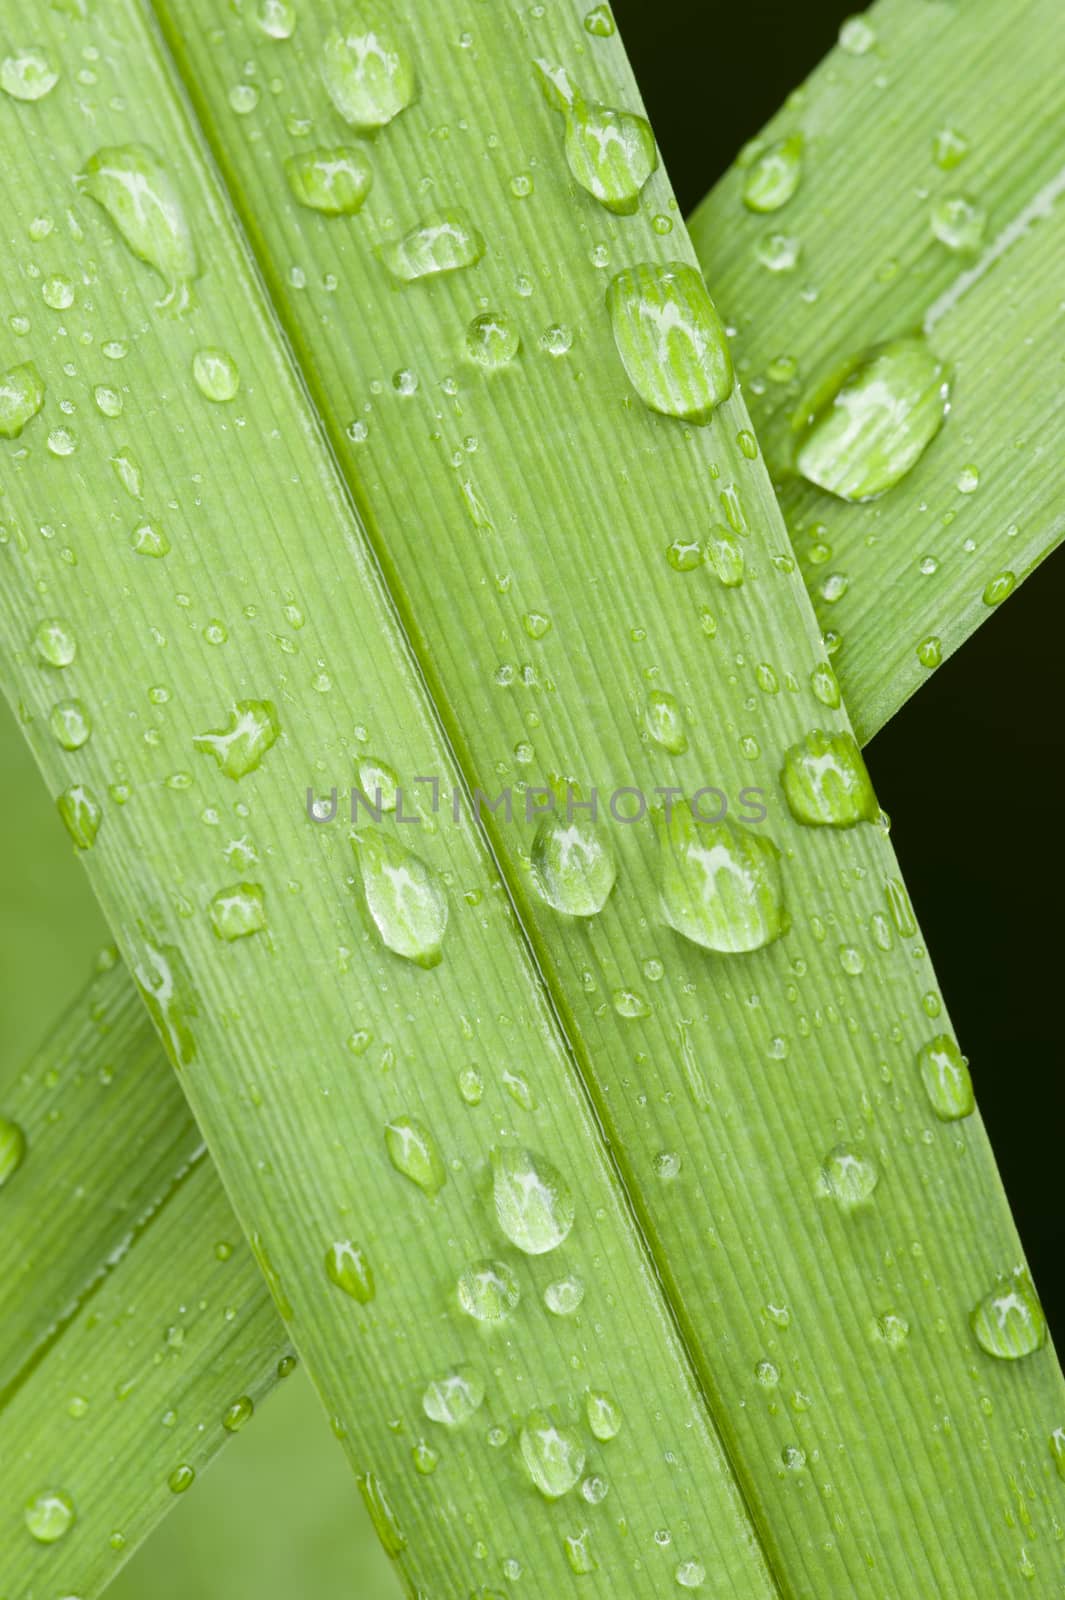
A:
137, 1334
929, 204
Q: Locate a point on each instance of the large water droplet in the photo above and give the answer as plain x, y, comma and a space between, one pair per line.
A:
216, 375
347, 1267
488, 1291
1009, 1322
239, 749
867, 426
453, 1398
847, 1177
28, 74
534, 1203
407, 905
671, 341
54, 642
720, 883
366, 67
335, 182
413, 1151
825, 782
774, 175
138, 194
946, 1079
610, 153
554, 1456
573, 869
49, 1515
21, 397
81, 814
444, 242
238, 911
12, 1149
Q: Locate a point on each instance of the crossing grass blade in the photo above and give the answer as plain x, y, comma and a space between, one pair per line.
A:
763, 1107
932, 196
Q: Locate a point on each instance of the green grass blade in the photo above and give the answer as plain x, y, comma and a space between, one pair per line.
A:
138, 1317
543, 493
940, 101
301, 1043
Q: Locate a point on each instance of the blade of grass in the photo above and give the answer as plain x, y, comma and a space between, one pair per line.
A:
542, 494
304, 1043
919, 105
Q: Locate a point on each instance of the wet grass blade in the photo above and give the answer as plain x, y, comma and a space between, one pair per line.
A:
932, 195
137, 1329
218, 628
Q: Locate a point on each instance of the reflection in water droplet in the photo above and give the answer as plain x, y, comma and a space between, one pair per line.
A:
235, 1416
216, 375
334, 182
671, 341
54, 642
138, 194
488, 1291
847, 1177
181, 1479
866, 427
81, 814
1009, 1323
444, 242
454, 1398
774, 175
825, 782
366, 68
945, 1075
346, 1266
239, 749
407, 905
413, 1151
564, 1295
534, 1204
603, 1413
28, 74
238, 911
554, 1456
492, 340
21, 397
720, 883
573, 868
49, 1515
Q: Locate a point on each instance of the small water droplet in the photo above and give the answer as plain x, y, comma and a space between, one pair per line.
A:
81, 814
384, 1519
57, 293
930, 652
445, 242
413, 1151
148, 540
603, 1413
826, 783
216, 375
958, 222
793, 1458
891, 1329
239, 749
49, 1515
346, 1266
366, 68
334, 181
564, 1295
610, 153
1057, 1450
488, 1291
138, 194
949, 148
534, 1204
664, 721
690, 1575
774, 175
28, 74
275, 19
856, 36
599, 22
70, 723
999, 588
573, 868
847, 1177
868, 425
454, 1398
780, 252
12, 1149
492, 340
21, 397
720, 883
108, 401
554, 1456
407, 905
726, 557
426, 1459
767, 1374
1008, 1322
238, 911
671, 341
236, 1415
945, 1076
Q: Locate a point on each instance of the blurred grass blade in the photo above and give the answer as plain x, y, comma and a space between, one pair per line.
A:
209, 613
162, 1338
600, 593
769, 1109
932, 195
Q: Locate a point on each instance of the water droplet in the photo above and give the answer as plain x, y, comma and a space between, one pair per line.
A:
148, 540
825, 686
240, 748
534, 1204
856, 36
793, 1458
847, 1177
367, 71
930, 652
690, 1575
720, 883
774, 175
825, 782
382, 1515
413, 1151
454, 1398
128, 474
554, 1456
216, 375
1009, 1322
492, 340
81, 814
334, 182
767, 1374
564, 1295
61, 442
869, 424
471, 1086
276, 19
1057, 1450
671, 341
109, 401
536, 625
599, 22
243, 98
28, 74
347, 1267
556, 340
999, 588
892, 1330
166, 987
610, 154
573, 869
12, 1149
57, 293
426, 1459
444, 242
958, 222
21, 397
684, 554
488, 1291
780, 252
49, 1515
236, 1415
949, 148
968, 480
238, 911
726, 557
408, 907
181, 1479
945, 1075
664, 722
603, 1413
138, 194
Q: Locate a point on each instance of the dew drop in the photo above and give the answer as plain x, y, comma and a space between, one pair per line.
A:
720, 883
108, 401
1009, 1323
413, 1151
847, 1177
610, 153
999, 588
534, 1204
406, 903
28, 74
671, 341
21, 397
930, 652
492, 340
138, 194
366, 68
488, 1291
81, 814
240, 748
1057, 1450
599, 22
346, 1266
825, 685
275, 19
70, 723
573, 868
726, 557
690, 1575
454, 1398
445, 242
334, 182
216, 375
945, 1076
238, 911
958, 222
603, 1413
12, 1149
49, 1515
181, 1479
779, 252
892, 1330
774, 175
235, 1416
57, 293
553, 1456
856, 36
564, 1295
949, 148
826, 783
664, 722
